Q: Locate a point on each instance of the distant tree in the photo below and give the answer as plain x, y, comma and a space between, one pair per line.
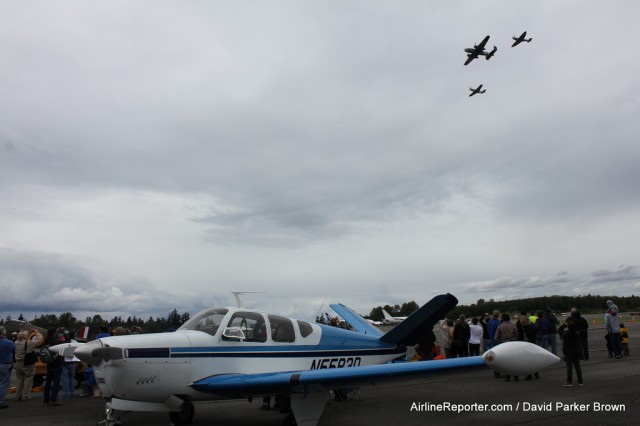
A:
408, 308
68, 321
376, 314
20, 318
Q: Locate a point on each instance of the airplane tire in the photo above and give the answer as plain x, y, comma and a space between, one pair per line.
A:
289, 420
184, 416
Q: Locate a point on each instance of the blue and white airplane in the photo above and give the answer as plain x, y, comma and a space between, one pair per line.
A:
235, 353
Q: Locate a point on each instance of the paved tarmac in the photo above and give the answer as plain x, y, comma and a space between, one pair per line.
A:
610, 396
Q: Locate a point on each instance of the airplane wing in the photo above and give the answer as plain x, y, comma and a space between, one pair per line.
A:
241, 385
358, 323
470, 58
483, 43
516, 358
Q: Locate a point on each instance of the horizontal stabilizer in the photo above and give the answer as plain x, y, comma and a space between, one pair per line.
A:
358, 323
416, 326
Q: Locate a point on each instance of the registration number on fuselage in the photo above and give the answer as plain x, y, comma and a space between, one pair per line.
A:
319, 364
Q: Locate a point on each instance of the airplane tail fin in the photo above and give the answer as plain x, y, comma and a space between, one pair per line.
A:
387, 315
358, 323
415, 327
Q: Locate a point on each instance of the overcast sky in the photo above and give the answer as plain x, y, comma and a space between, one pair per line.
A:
161, 154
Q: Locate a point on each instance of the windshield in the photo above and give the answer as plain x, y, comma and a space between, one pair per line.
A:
207, 321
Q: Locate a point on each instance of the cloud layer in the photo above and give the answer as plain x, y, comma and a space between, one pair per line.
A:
164, 156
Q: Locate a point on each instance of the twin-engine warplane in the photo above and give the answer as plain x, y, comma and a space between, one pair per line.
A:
235, 353
479, 50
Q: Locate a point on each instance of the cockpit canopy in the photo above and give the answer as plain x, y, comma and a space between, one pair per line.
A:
248, 326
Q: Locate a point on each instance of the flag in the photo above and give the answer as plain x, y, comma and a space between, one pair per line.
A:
84, 333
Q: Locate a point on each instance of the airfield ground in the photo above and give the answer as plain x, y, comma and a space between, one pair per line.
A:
610, 396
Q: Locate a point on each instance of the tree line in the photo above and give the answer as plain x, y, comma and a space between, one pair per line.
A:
67, 320
588, 304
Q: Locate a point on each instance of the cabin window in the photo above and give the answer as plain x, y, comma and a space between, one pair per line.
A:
208, 321
281, 329
305, 328
252, 325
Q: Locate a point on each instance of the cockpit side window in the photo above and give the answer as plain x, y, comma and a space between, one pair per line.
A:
207, 321
252, 325
305, 328
282, 329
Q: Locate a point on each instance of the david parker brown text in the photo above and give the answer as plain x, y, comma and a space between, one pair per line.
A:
520, 406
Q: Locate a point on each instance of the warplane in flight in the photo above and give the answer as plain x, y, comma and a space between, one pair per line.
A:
476, 90
225, 353
520, 39
478, 50
389, 319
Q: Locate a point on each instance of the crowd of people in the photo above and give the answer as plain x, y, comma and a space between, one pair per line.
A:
464, 337
23, 349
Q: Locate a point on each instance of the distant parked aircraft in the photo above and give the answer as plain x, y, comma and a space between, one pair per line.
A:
476, 90
520, 39
389, 319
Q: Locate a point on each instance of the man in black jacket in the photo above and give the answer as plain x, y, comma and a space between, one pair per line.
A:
582, 325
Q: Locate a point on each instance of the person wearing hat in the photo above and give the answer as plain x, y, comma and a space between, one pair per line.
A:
7, 349
25, 364
612, 324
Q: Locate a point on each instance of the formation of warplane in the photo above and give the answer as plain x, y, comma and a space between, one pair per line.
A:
479, 50
225, 353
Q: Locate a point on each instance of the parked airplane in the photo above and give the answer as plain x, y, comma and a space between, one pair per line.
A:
388, 319
227, 353
478, 50
373, 322
520, 39
476, 90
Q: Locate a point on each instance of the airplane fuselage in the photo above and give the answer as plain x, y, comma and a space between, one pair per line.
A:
155, 366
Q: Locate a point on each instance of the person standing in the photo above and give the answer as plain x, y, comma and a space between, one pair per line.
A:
527, 333
571, 350
543, 329
69, 369
446, 328
475, 337
461, 333
25, 371
583, 331
54, 372
612, 323
7, 351
553, 331
507, 332
492, 326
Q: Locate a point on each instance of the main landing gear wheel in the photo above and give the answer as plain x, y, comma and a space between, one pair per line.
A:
184, 416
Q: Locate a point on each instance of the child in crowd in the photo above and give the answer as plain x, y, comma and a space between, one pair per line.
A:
624, 339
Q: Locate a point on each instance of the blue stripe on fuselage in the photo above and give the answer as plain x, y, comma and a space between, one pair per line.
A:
278, 352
